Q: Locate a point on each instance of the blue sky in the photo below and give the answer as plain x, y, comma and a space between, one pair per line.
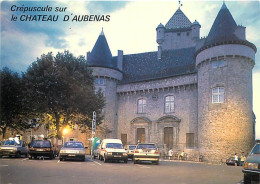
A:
131, 28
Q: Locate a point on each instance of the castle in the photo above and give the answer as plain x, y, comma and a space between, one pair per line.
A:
192, 94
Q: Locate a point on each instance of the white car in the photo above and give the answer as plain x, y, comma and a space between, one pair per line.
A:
112, 149
146, 152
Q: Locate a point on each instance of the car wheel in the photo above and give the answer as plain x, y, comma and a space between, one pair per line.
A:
125, 161
83, 159
61, 159
18, 154
51, 156
156, 162
135, 161
247, 179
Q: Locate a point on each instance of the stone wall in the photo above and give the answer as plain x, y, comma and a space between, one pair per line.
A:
183, 119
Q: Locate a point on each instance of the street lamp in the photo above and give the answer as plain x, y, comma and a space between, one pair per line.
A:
65, 131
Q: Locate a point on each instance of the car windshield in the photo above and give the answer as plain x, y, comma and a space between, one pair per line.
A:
10, 143
114, 145
73, 145
41, 144
256, 149
132, 147
146, 146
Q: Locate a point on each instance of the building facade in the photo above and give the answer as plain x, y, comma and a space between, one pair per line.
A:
192, 94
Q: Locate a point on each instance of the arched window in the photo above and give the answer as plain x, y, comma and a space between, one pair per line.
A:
169, 104
218, 95
141, 105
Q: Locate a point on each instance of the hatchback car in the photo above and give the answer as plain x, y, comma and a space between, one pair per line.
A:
41, 148
251, 168
146, 152
12, 148
72, 150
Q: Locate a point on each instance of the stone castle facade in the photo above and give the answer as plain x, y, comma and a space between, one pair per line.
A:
193, 94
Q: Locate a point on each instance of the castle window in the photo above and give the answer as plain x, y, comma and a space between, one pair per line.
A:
179, 34
218, 95
141, 105
99, 81
169, 104
190, 140
187, 33
218, 64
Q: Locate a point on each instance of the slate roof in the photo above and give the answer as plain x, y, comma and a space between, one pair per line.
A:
101, 54
146, 66
223, 28
223, 31
178, 20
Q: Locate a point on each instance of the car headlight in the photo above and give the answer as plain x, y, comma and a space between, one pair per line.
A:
62, 151
249, 165
109, 153
124, 154
81, 152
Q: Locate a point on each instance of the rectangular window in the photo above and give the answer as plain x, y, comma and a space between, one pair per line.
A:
169, 104
141, 106
218, 95
99, 81
218, 64
190, 143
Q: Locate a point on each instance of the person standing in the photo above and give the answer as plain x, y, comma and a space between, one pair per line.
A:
170, 152
242, 159
236, 159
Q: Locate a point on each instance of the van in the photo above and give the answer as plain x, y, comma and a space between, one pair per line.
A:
112, 149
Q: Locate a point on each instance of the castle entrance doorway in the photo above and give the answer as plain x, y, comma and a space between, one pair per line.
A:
140, 135
168, 137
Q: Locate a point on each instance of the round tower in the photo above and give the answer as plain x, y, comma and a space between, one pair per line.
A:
107, 75
225, 113
160, 34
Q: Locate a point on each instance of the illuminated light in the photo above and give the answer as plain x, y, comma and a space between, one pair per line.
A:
65, 130
136, 151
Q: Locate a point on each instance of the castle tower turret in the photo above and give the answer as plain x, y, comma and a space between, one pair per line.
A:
178, 33
225, 117
107, 74
195, 30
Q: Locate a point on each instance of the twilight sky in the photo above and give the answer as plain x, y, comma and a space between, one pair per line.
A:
131, 28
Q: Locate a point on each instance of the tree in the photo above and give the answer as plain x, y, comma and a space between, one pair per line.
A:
62, 88
11, 111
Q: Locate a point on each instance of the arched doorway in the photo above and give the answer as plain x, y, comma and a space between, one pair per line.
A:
141, 128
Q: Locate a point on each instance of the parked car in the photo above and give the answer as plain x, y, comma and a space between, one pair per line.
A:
251, 168
112, 149
146, 152
130, 149
96, 152
41, 148
72, 150
12, 148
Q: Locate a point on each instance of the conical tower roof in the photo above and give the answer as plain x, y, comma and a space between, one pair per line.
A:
223, 28
101, 55
178, 20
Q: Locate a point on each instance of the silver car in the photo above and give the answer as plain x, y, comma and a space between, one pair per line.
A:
11, 148
72, 150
